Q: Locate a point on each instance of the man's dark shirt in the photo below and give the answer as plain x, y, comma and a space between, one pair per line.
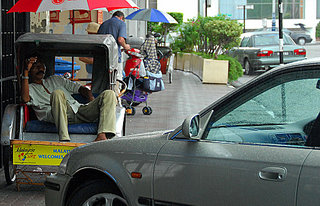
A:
116, 28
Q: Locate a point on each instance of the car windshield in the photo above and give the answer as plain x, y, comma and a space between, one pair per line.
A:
285, 104
270, 39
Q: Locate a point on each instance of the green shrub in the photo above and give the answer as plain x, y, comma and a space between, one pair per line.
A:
177, 16
318, 30
212, 35
222, 34
203, 55
187, 38
178, 46
235, 68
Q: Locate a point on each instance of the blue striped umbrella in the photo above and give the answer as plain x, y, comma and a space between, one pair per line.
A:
152, 15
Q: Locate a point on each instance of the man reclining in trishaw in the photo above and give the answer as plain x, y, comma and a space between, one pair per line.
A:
52, 101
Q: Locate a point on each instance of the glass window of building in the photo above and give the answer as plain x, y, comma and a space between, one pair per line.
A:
293, 9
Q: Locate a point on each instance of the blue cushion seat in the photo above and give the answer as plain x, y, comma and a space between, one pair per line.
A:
47, 127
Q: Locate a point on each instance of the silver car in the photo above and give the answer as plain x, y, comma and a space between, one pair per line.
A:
258, 145
260, 51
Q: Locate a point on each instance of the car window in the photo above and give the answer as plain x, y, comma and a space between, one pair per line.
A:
276, 116
271, 39
244, 42
287, 40
266, 39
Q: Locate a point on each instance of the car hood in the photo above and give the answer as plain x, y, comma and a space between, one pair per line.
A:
118, 150
145, 142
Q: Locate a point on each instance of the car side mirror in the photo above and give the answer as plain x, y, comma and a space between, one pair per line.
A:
190, 126
318, 84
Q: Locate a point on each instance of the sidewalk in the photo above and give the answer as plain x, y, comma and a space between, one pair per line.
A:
185, 96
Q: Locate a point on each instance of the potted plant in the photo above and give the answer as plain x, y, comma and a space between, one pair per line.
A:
211, 37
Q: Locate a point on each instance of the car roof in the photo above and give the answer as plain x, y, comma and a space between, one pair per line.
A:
270, 29
248, 34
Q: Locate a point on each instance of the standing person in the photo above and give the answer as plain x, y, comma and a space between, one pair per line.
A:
92, 28
149, 51
117, 28
52, 101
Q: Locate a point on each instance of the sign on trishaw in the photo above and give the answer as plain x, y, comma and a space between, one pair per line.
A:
40, 152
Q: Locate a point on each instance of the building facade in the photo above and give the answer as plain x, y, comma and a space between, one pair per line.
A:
295, 12
306, 12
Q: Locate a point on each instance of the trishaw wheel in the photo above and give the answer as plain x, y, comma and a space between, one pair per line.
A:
9, 168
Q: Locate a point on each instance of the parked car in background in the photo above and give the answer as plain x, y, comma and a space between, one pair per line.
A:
259, 51
258, 145
299, 37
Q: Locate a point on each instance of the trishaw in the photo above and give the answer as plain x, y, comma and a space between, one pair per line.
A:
28, 141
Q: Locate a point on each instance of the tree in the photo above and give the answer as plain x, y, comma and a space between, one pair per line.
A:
222, 34
318, 30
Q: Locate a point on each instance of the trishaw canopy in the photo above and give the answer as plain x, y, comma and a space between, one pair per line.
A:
103, 48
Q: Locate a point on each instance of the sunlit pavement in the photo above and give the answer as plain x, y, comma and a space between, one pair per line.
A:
186, 95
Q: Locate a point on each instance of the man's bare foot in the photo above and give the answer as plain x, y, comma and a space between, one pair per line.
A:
101, 136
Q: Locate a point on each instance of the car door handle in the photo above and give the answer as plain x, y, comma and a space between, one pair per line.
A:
273, 173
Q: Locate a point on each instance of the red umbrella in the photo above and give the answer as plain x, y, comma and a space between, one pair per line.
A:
62, 5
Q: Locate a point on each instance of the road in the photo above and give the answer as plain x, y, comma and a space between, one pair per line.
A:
313, 50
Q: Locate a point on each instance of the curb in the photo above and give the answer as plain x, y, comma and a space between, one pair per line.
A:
236, 83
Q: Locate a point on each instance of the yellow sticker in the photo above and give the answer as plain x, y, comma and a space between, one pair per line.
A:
28, 154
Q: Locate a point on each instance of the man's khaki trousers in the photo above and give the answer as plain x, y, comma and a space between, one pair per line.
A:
101, 109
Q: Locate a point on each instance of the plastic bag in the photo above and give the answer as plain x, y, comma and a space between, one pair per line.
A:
142, 70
